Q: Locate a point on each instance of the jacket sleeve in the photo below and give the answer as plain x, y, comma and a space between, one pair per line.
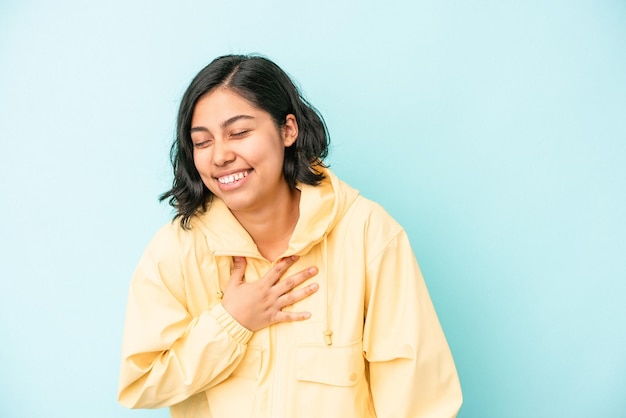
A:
412, 373
167, 354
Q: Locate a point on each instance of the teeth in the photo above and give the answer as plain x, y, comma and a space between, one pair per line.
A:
232, 178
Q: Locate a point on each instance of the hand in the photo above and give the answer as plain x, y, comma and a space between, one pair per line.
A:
259, 304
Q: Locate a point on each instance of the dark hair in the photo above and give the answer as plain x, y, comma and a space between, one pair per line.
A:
266, 86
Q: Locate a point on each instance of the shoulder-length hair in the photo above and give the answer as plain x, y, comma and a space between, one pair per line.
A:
266, 86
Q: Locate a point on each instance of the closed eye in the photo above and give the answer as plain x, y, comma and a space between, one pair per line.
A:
239, 134
202, 144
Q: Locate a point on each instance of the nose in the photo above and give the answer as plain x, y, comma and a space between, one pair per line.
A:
222, 153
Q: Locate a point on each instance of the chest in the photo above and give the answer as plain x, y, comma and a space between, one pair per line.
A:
337, 305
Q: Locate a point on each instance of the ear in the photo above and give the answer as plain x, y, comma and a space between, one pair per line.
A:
290, 130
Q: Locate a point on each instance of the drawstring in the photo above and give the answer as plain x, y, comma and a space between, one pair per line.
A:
328, 336
328, 333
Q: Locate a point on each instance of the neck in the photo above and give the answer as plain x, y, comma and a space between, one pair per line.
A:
271, 228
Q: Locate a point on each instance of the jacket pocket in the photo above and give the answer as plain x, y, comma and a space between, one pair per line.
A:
332, 383
337, 366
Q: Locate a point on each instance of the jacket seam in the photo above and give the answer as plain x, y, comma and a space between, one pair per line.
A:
384, 248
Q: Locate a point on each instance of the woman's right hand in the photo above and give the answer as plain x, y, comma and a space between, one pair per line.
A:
259, 304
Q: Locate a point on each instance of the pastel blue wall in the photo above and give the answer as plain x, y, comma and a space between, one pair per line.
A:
494, 131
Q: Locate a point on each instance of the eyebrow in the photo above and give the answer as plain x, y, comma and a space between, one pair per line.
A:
223, 125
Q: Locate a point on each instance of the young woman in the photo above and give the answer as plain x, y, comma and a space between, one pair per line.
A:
278, 291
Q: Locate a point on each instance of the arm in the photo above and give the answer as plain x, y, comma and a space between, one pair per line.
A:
168, 355
412, 373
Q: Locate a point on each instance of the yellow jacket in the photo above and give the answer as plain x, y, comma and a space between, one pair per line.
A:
373, 346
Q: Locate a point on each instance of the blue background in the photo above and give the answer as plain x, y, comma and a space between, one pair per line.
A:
494, 131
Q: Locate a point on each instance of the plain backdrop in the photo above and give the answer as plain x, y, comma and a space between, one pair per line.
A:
494, 131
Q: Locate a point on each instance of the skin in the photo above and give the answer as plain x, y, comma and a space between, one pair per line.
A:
239, 152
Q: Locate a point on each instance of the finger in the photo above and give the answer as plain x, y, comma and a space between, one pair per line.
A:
291, 316
237, 272
297, 295
286, 285
278, 270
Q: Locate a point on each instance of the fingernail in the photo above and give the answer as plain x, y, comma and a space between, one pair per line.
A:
313, 270
294, 257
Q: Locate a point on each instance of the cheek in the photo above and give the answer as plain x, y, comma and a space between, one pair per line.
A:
277, 152
199, 161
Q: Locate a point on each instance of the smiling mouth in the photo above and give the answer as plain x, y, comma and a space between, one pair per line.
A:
232, 178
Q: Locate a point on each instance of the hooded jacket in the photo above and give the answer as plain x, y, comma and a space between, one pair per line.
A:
373, 346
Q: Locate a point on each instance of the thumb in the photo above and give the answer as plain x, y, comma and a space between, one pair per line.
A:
238, 270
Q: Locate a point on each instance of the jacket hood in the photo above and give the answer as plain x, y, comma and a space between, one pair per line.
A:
321, 208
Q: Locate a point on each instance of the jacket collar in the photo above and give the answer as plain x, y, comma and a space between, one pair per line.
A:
321, 208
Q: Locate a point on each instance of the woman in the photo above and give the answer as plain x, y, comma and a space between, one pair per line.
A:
278, 291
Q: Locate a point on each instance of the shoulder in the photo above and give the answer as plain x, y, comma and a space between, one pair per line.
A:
373, 218
368, 226
170, 240
168, 235
167, 257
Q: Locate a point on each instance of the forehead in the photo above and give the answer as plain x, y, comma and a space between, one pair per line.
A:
219, 105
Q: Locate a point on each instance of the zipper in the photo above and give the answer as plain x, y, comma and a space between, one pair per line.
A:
278, 372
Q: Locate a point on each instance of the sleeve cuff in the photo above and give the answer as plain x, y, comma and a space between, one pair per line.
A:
230, 324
